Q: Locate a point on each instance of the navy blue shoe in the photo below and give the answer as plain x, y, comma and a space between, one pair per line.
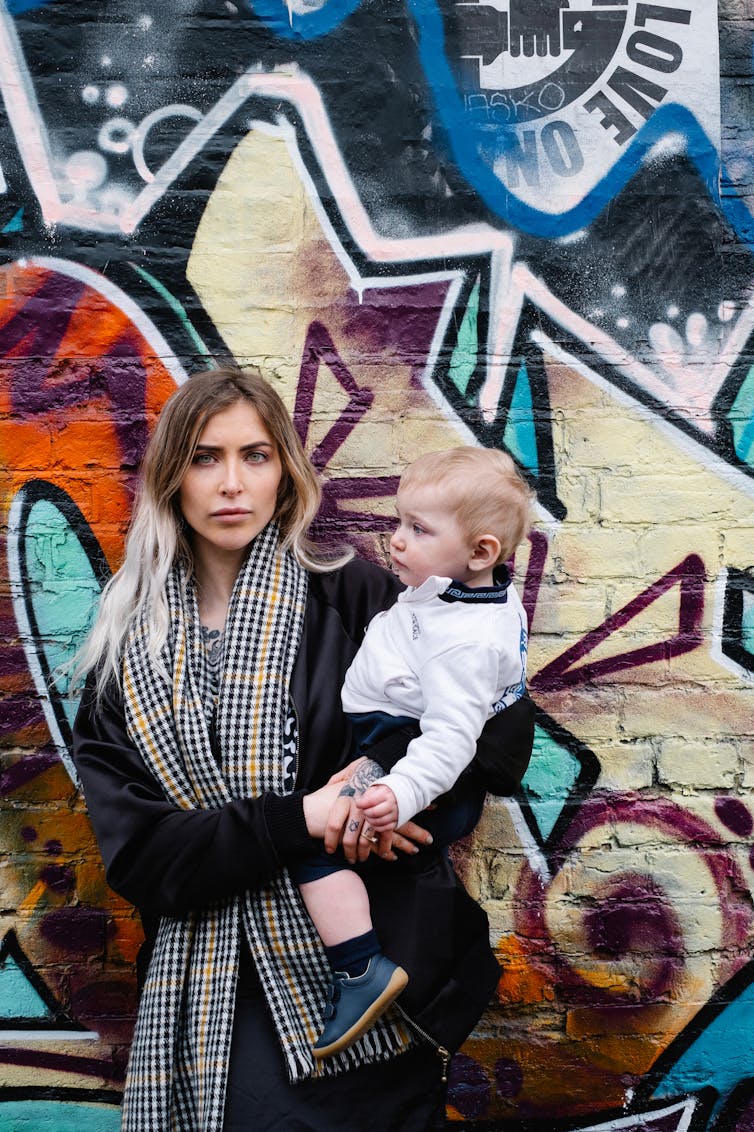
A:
355, 1004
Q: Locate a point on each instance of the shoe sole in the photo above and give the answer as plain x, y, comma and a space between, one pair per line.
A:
398, 980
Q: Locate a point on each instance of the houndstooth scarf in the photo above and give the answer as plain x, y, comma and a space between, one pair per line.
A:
179, 1058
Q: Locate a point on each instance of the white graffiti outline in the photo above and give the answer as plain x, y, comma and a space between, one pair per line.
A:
25, 117
684, 1108
161, 350
691, 447
302, 94
361, 283
139, 136
535, 858
524, 284
27, 637
716, 646
299, 90
119, 299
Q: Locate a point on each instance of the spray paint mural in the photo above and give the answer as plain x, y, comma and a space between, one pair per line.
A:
524, 225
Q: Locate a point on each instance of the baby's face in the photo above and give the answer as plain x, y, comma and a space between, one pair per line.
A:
428, 539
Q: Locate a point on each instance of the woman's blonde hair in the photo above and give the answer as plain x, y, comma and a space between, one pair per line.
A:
157, 537
483, 488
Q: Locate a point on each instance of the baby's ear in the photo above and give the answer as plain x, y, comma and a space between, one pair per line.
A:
485, 552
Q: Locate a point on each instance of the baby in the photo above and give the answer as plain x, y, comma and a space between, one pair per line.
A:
451, 652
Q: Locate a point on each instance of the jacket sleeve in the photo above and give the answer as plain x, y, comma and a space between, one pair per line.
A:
503, 749
162, 858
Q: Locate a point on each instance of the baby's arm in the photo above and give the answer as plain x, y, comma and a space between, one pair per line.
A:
458, 687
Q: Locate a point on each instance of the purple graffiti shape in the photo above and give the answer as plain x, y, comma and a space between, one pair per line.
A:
58, 878
122, 374
39, 327
319, 347
43, 381
79, 930
735, 816
468, 1087
534, 571
333, 522
689, 576
27, 768
509, 1077
107, 1069
633, 915
336, 491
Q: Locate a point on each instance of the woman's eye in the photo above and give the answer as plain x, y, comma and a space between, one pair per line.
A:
204, 459
256, 457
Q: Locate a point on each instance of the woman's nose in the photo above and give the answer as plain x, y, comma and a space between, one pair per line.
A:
231, 484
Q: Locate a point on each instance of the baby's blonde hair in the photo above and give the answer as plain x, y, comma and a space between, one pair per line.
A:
483, 488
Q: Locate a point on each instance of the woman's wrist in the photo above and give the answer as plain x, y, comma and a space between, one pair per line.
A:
287, 826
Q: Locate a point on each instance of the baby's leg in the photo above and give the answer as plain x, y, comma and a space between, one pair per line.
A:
364, 981
338, 906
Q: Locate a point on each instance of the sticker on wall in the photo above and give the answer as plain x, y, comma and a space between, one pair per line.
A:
541, 99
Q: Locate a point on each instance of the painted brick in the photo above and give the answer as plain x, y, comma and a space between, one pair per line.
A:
511, 277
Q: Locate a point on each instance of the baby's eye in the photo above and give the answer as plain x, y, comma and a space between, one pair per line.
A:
417, 529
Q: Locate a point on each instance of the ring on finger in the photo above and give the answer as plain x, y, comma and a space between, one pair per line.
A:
369, 835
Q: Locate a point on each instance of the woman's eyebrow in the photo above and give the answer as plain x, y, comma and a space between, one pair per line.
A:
202, 447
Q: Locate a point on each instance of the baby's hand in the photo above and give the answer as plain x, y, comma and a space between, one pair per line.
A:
380, 807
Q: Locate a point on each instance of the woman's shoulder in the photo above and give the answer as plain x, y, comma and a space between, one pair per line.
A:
357, 591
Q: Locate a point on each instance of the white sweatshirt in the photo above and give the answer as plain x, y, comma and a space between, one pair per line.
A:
450, 657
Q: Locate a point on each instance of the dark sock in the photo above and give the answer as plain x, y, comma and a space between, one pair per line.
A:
353, 955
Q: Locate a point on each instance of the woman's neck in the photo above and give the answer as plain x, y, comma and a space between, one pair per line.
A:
215, 576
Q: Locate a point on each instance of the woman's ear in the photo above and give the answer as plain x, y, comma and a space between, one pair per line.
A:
485, 552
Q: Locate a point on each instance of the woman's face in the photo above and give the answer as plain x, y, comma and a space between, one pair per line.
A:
229, 493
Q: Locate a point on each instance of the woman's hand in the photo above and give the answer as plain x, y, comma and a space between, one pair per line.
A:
344, 774
408, 839
317, 808
346, 825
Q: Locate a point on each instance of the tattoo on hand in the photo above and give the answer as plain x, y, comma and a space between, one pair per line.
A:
365, 775
347, 791
353, 825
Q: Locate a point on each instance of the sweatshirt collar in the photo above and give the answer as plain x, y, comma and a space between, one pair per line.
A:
447, 589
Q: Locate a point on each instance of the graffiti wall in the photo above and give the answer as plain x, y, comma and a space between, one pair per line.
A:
517, 223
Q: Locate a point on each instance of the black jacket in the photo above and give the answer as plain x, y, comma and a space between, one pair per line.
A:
167, 861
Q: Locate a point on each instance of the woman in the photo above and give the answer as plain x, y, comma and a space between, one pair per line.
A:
206, 741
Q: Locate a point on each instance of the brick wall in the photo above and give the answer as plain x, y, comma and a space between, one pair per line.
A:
524, 225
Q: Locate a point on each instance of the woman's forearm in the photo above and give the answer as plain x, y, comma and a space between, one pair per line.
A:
167, 859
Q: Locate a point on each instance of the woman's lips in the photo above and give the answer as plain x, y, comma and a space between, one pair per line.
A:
228, 514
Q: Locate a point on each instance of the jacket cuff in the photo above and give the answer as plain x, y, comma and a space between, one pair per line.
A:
286, 826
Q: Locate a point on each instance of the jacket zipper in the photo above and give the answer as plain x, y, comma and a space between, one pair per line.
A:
441, 1051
